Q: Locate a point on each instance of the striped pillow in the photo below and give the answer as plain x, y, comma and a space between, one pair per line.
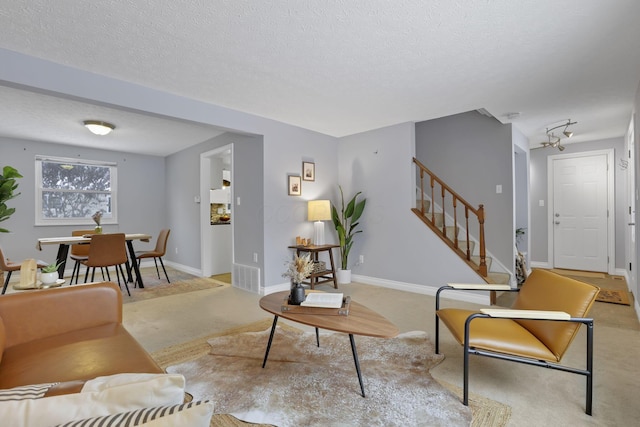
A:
25, 392
191, 414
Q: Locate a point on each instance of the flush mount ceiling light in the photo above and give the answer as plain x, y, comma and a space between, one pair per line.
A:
553, 140
99, 127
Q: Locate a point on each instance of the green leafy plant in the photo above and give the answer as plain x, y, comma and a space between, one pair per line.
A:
51, 268
8, 186
345, 224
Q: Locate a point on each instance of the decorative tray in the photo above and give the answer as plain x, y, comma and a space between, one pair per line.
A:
39, 285
298, 309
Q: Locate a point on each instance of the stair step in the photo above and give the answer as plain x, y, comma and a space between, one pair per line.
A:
427, 205
462, 244
476, 260
450, 232
499, 278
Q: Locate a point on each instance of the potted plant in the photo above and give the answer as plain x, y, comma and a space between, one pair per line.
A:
345, 223
8, 185
49, 274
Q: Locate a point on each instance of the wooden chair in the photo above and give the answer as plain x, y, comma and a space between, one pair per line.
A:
537, 330
9, 267
106, 250
79, 253
157, 253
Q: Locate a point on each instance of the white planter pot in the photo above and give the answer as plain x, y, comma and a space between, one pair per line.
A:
343, 276
49, 278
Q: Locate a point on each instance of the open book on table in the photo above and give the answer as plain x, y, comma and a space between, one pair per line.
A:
323, 300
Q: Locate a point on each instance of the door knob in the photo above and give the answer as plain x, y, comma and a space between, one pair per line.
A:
557, 215
632, 223
557, 222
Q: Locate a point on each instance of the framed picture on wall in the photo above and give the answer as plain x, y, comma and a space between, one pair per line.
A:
308, 171
295, 185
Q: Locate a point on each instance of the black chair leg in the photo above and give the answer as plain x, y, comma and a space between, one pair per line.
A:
165, 271
6, 282
155, 261
124, 278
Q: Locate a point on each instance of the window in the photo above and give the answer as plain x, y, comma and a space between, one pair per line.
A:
70, 191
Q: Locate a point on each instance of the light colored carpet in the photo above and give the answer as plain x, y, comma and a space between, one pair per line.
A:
579, 273
485, 411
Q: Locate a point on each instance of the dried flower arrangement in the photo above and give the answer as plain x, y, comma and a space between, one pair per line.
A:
299, 268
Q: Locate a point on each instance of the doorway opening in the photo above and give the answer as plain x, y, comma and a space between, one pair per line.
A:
216, 216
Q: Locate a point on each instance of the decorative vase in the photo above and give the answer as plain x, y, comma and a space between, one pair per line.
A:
297, 294
49, 278
343, 276
98, 229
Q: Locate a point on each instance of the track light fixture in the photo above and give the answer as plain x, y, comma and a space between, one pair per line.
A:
553, 140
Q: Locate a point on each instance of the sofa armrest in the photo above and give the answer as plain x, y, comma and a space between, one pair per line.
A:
38, 314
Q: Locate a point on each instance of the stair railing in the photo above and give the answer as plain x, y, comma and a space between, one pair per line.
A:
444, 190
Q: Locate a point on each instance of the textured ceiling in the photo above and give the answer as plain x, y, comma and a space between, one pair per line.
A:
346, 66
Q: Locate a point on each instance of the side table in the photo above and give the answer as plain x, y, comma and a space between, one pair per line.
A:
319, 277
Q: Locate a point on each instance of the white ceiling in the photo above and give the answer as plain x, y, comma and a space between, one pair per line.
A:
337, 66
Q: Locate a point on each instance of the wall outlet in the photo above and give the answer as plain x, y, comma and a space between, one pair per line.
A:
255, 257
176, 249
361, 260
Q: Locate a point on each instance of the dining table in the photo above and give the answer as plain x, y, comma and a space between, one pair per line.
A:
66, 241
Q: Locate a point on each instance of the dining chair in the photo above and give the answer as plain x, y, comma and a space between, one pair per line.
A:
79, 253
157, 253
537, 330
107, 250
9, 267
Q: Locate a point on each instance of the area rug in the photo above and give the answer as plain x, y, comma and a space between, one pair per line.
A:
613, 296
486, 412
225, 277
317, 386
163, 289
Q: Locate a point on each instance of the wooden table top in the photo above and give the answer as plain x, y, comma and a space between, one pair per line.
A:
74, 240
312, 248
360, 321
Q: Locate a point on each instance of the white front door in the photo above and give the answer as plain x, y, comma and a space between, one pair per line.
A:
580, 209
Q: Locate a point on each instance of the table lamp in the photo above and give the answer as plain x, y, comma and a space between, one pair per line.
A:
318, 211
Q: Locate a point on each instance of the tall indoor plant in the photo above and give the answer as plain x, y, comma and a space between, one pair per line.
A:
8, 186
345, 223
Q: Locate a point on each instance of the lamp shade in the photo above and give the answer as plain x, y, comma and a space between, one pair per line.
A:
319, 210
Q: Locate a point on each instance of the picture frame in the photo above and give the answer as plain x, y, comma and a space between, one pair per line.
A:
308, 171
295, 185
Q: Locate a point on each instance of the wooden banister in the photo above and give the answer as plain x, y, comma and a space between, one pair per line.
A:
445, 193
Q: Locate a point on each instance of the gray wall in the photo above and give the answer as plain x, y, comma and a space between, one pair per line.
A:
141, 196
183, 184
285, 147
398, 248
473, 153
539, 214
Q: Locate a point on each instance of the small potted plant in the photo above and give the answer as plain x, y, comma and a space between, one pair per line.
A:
345, 224
97, 218
49, 274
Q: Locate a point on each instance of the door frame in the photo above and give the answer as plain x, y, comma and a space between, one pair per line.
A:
611, 217
630, 259
206, 236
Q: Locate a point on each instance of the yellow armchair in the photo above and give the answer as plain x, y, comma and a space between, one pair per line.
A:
542, 323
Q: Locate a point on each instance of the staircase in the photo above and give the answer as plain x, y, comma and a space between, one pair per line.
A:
443, 221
